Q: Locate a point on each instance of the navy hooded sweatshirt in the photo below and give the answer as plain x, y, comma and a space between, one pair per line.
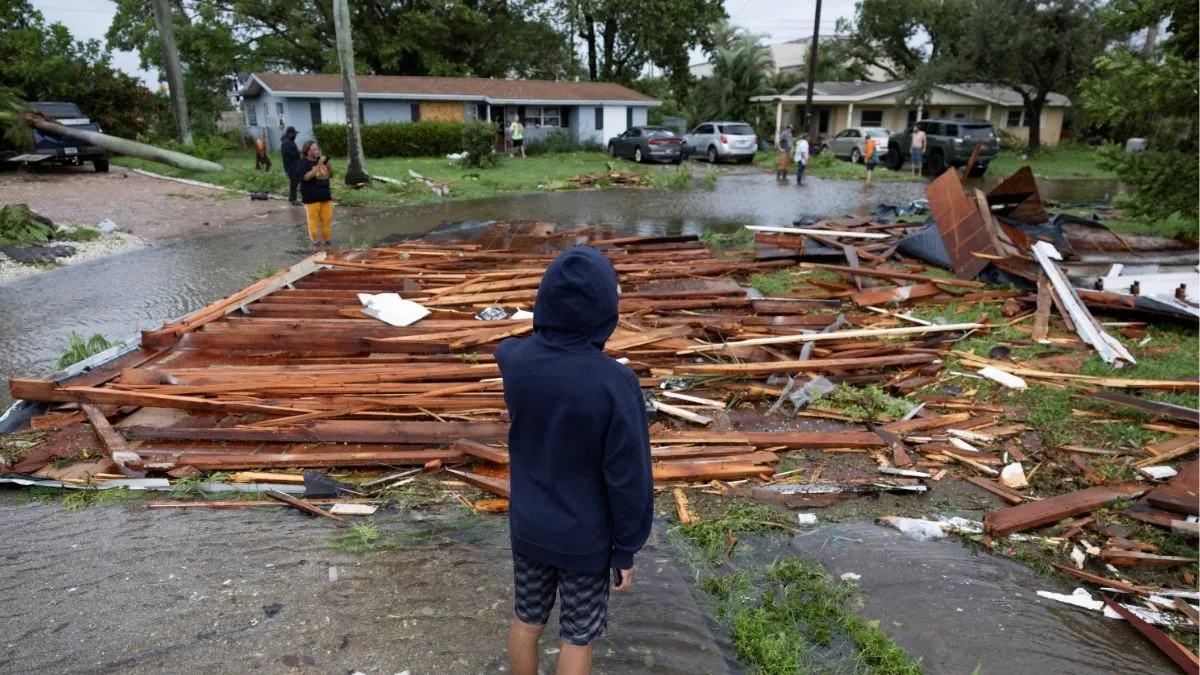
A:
579, 448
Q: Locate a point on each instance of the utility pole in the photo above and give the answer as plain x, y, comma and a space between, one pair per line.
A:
809, 127
166, 34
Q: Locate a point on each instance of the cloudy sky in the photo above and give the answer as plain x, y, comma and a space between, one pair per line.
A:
89, 19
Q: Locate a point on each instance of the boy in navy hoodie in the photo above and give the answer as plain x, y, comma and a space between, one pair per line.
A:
582, 491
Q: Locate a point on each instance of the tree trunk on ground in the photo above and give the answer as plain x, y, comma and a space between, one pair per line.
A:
1033, 120
166, 33
122, 146
356, 171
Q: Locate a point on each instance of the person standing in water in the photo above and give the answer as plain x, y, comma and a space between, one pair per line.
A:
291, 157
314, 171
918, 150
801, 159
784, 148
871, 158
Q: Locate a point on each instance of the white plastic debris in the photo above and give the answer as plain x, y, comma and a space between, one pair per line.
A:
1079, 597
963, 445
106, 226
851, 576
1078, 557
915, 528
1013, 476
353, 509
521, 314
1158, 472
1007, 379
390, 309
806, 518
961, 525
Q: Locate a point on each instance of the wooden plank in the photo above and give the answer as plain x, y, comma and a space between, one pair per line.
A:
266, 459
1182, 656
338, 431
34, 390
1005, 493
1158, 409
815, 365
788, 439
1109, 349
484, 452
1141, 558
681, 413
497, 486
823, 233
900, 294
836, 335
705, 471
892, 274
1182, 493
681, 507
1179, 450
1041, 318
960, 225
304, 506
1104, 582
1035, 514
114, 444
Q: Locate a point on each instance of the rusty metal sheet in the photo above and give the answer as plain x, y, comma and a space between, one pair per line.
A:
960, 224
1018, 197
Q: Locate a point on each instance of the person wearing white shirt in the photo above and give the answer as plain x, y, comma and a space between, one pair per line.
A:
801, 159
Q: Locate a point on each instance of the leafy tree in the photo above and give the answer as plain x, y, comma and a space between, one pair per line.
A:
43, 62
1155, 99
621, 37
901, 36
742, 67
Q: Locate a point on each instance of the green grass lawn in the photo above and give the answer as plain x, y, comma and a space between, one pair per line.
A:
509, 176
1058, 162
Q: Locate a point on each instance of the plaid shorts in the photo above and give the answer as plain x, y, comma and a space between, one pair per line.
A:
584, 611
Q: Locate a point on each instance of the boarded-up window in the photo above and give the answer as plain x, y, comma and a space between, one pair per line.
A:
416, 112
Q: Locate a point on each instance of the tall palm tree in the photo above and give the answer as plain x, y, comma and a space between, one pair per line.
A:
166, 33
356, 172
742, 67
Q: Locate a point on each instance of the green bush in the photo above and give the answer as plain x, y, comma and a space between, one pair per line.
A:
396, 139
559, 142
478, 139
20, 226
1165, 180
212, 148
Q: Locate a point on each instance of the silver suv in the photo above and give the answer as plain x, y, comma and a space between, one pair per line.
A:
718, 141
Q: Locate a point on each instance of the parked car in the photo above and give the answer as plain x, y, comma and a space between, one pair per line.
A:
734, 141
948, 142
852, 143
644, 144
67, 151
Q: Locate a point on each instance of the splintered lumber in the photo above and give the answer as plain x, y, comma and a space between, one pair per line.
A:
835, 335
304, 506
266, 477
45, 390
782, 439
877, 296
892, 274
338, 431
1041, 318
701, 471
114, 444
1182, 656
491, 505
1181, 494
1005, 493
819, 365
1104, 582
824, 233
1135, 558
681, 507
675, 411
1168, 410
1035, 514
281, 460
1114, 382
484, 452
496, 486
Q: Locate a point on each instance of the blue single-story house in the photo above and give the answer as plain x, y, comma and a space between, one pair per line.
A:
586, 111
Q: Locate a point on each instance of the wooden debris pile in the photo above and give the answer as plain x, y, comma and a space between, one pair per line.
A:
626, 178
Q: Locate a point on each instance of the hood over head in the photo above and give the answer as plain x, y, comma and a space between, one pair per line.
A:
576, 306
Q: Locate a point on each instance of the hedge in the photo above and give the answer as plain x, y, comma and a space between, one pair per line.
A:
395, 139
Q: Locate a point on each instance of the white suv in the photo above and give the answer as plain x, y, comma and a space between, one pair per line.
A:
722, 140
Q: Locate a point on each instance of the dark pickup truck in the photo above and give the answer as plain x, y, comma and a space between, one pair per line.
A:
67, 151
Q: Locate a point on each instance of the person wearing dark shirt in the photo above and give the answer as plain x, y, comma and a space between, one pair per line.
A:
314, 172
291, 157
581, 486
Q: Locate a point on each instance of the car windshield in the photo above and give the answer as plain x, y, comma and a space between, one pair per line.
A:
737, 129
660, 133
879, 133
977, 131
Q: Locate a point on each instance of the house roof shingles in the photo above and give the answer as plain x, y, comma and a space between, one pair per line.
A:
862, 90
465, 87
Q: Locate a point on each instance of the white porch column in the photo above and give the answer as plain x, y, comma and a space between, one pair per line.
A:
920, 111
778, 119
850, 117
989, 112
487, 112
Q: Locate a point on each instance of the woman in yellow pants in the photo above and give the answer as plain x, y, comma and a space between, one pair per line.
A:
315, 193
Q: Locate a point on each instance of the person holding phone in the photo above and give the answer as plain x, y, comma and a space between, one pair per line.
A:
314, 173
582, 496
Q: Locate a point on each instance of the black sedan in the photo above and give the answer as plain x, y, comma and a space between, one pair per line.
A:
645, 144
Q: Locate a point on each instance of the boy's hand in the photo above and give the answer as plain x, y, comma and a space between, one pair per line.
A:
626, 581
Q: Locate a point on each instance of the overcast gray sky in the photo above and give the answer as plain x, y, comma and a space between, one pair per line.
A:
780, 20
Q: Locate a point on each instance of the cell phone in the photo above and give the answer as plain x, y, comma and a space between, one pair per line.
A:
618, 576
324, 159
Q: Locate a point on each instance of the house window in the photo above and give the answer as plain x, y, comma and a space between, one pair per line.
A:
872, 118
251, 115
961, 113
314, 110
912, 119
279, 110
823, 121
599, 118
416, 112
542, 116
628, 117
1016, 118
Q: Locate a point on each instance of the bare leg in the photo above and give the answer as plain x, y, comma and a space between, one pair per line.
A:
574, 660
523, 647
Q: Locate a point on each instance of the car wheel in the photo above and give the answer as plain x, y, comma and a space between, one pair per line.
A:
637, 155
712, 154
895, 161
612, 150
856, 156
825, 148
101, 165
